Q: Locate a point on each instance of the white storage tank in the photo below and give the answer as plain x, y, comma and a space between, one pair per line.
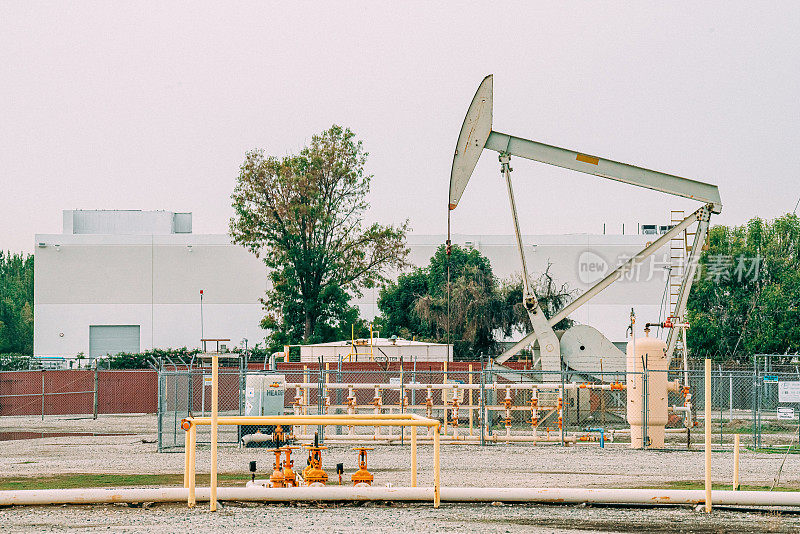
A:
652, 351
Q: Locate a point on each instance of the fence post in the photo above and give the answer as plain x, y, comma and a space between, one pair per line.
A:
753, 403
563, 410
730, 397
736, 462
190, 409
160, 407
707, 415
645, 404
402, 401
320, 388
469, 370
483, 402
94, 393
719, 388
43, 371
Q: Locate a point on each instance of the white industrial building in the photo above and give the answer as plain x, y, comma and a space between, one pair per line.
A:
130, 281
378, 348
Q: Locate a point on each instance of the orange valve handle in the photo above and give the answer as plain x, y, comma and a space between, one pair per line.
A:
362, 476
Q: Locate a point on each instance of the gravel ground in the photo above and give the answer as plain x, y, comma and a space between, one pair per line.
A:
499, 465
373, 519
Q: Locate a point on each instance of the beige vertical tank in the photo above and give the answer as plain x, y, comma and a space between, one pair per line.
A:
654, 351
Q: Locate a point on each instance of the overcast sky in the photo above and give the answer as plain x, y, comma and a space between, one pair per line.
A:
147, 106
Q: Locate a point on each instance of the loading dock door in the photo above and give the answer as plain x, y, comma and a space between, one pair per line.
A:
113, 339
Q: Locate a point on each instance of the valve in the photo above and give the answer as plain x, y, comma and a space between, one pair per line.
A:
362, 477
617, 386
671, 322
278, 436
313, 473
507, 404
454, 419
351, 405
289, 476
378, 402
277, 479
298, 397
429, 403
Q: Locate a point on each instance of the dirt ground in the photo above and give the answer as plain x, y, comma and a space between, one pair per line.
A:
497, 465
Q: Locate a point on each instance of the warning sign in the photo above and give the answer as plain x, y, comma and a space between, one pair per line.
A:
789, 391
785, 412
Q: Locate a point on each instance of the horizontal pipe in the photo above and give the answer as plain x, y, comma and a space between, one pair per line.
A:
402, 416
422, 386
447, 438
423, 407
308, 420
377, 493
340, 417
628, 430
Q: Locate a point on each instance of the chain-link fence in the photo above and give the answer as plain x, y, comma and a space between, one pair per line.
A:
188, 392
480, 407
490, 406
77, 392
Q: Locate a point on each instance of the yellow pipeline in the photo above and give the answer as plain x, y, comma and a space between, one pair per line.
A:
190, 425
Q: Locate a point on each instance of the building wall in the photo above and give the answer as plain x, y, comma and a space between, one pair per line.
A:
154, 281
151, 281
579, 260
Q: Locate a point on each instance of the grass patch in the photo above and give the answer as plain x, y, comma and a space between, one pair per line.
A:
104, 480
775, 450
698, 485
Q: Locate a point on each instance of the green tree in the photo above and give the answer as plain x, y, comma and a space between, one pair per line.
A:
475, 308
747, 297
304, 216
551, 296
481, 307
16, 303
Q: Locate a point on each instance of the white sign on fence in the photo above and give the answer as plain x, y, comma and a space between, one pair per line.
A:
785, 412
207, 381
788, 391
